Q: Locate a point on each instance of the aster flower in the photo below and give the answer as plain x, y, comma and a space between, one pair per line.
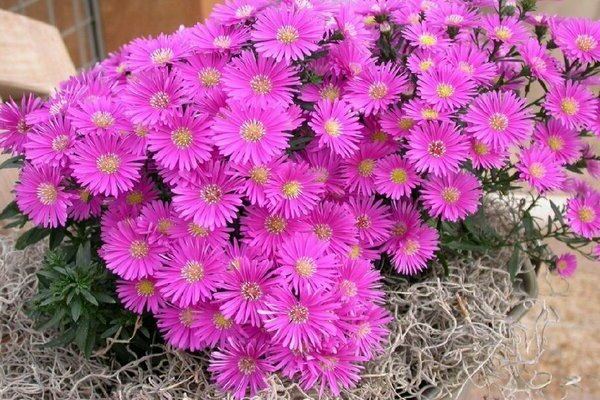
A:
244, 289
234, 11
583, 216
131, 254
51, 143
566, 265
212, 327
287, 34
99, 115
213, 200
256, 177
413, 252
540, 169
437, 147
182, 142
572, 104
359, 284
473, 61
579, 39
183, 228
426, 37
176, 326
453, 196
300, 322
376, 88
395, 177
351, 25
157, 216
396, 122
334, 225
359, 170
140, 295
142, 193
337, 127
371, 218
41, 195
368, 331
202, 74
262, 82
150, 53
248, 133
508, 30
84, 205
330, 89
326, 168
422, 61
14, 129
350, 59
305, 265
499, 119
294, 190
565, 143
213, 37
240, 366
542, 64
484, 156
446, 87
419, 111
405, 220
104, 165
452, 15
153, 96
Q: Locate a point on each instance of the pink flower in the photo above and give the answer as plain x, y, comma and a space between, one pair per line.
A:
579, 39
213, 37
484, 156
336, 127
453, 196
157, 216
583, 215
452, 15
176, 326
359, 170
396, 122
326, 168
539, 167
437, 147
14, 129
371, 218
508, 30
234, 11
376, 88
248, 133
147, 54
446, 87
41, 195
331, 89
359, 284
84, 205
395, 177
412, 253
426, 37
140, 295
565, 143
215, 237
333, 224
51, 143
287, 33
202, 74
368, 331
256, 177
572, 104
473, 61
212, 327
543, 65
566, 265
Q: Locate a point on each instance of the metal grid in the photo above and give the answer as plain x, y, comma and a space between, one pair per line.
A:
82, 34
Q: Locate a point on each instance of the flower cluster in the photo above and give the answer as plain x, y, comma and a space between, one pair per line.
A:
248, 171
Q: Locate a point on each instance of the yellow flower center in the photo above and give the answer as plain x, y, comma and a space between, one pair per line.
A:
450, 195
562, 264
321, 174
244, 11
436, 148
537, 170
211, 194
398, 176
261, 84
209, 77
379, 136
329, 92
291, 189
569, 106
108, 163
161, 56
427, 40
349, 288
503, 33
333, 127
135, 197
363, 330
22, 126
60, 143
252, 131
84, 195
406, 123
275, 225
305, 267
429, 114
221, 322
287, 34
182, 138
145, 288
192, 272
411, 247
259, 174
586, 43
369, 20
499, 122
102, 119
366, 167
246, 365
222, 42
323, 231
378, 91
47, 193
164, 225
329, 363
425, 65
454, 19
586, 214
186, 317
160, 100
140, 131
444, 90
139, 249
251, 291
466, 68
197, 230
363, 221
355, 252
481, 149
399, 229
556, 143
298, 314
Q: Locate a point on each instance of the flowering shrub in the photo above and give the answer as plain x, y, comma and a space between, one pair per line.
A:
248, 179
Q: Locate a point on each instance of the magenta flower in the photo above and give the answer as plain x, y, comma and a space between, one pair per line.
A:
202, 73
261, 82
499, 119
437, 147
579, 39
142, 193
484, 156
336, 127
41, 195
371, 218
147, 54
140, 295
300, 322
287, 33
359, 170
426, 37
51, 143
395, 122
566, 265
213, 37
331, 89
244, 289
452, 15
473, 61
564, 142
376, 88
212, 201
418, 111
191, 273
333, 224
543, 65
84, 205
395, 177
540, 169
446, 87
412, 253
104, 165
327, 169
234, 11
240, 366
359, 284
583, 215
14, 128
294, 190
99, 115
572, 104
368, 331
248, 133
157, 217
453, 196
176, 326
131, 254
216, 237
305, 265
508, 30
212, 327
256, 177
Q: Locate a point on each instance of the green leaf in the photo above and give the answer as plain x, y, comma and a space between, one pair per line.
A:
31, 236
56, 238
104, 298
14, 162
76, 309
10, 211
83, 328
557, 212
89, 297
513, 263
54, 321
466, 246
530, 231
84, 255
62, 340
